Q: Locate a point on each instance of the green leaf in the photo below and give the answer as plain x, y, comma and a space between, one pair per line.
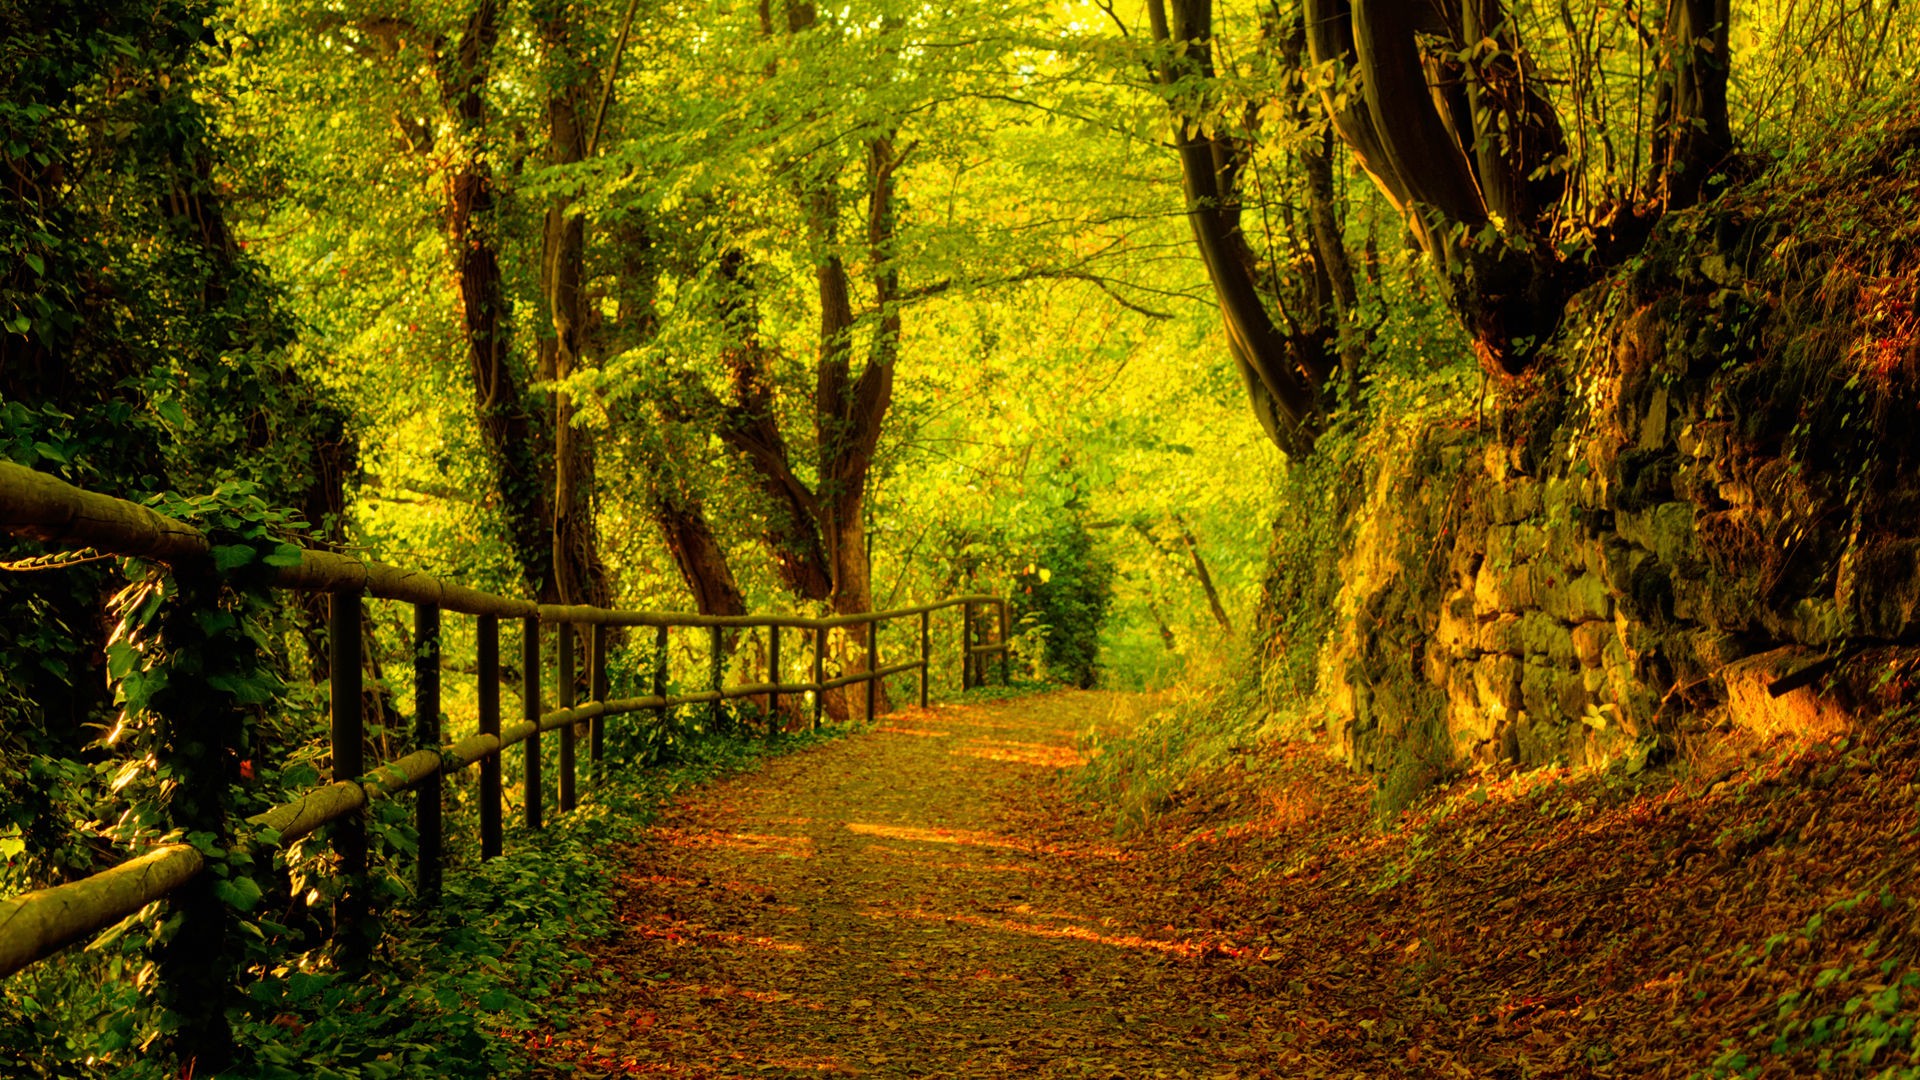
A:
229, 556
239, 893
121, 659
284, 555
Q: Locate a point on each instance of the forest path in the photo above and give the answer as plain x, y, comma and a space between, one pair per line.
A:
909, 901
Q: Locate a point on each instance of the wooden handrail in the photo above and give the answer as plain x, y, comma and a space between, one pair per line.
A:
44, 507
40, 923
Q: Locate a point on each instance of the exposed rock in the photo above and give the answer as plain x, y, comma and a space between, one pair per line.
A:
1752, 706
1879, 588
1590, 639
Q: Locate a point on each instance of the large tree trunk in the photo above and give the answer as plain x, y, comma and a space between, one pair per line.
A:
697, 554
1692, 134
1283, 369
818, 534
752, 429
1445, 114
580, 577
507, 424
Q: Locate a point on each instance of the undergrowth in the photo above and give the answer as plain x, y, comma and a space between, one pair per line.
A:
1168, 759
450, 989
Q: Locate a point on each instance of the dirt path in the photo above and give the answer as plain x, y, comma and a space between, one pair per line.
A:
876, 907
927, 899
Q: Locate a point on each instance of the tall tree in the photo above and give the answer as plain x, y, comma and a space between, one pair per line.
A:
509, 423
1444, 108
1283, 325
580, 577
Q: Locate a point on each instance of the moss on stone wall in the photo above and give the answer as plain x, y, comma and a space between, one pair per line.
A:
1718, 465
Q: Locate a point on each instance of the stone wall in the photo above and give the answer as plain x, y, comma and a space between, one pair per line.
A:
1704, 505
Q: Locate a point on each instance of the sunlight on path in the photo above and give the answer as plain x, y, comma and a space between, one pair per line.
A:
882, 906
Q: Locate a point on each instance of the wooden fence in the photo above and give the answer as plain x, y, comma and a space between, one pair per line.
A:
38, 924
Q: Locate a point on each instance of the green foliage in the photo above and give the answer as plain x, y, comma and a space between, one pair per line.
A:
1856, 1017
1174, 753
455, 986
1060, 604
141, 350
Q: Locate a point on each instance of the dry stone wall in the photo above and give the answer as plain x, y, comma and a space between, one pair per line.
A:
1656, 550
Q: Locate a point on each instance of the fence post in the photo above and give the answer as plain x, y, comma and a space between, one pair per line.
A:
926, 647
660, 674
530, 711
819, 673
966, 645
349, 834
198, 966
1005, 651
597, 686
717, 663
773, 677
873, 669
564, 688
488, 633
426, 736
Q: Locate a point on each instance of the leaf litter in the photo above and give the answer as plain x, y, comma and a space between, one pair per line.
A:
935, 898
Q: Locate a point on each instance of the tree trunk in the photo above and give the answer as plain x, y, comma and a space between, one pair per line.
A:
817, 534
580, 577
507, 424
1201, 574
752, 429
1282, 370
1454, 144
1692, 133
1166, 632
698, 556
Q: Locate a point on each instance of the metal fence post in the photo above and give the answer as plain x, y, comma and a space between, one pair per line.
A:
530, 711
426, 736
564, 688
488, 633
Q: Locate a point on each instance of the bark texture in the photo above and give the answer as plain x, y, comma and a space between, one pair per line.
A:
1284, 368
580, 575
1440, 104
508, 424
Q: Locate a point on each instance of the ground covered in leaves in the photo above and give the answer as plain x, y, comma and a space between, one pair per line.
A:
937, 898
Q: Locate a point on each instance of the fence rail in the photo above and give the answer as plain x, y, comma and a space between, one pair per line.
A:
38, 924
